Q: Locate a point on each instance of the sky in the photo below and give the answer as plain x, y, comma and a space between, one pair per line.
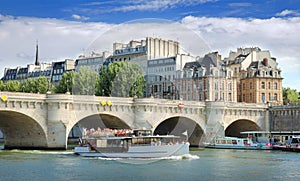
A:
65, 29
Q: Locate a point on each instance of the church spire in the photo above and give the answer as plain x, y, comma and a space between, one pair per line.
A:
37, 54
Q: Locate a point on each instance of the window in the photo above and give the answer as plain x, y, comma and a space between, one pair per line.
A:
275, 96
244, 86
263, 85
275, 86
189, 87
229, 86
229, 97
200, 86
250, 97
269, 85
251, 85
244, 98
263, 97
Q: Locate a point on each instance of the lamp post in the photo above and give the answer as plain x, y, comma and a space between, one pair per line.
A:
67, 87
134, 86
151, 89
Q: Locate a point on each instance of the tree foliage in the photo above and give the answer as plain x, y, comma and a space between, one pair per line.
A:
290, 96
13, 86
85, 81
66, 83
1, 85
30, 86
42, 84
121, 79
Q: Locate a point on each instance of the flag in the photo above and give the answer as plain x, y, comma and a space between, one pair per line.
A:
185, 133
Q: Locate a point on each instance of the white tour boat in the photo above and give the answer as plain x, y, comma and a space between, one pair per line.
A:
141, 144
255, 140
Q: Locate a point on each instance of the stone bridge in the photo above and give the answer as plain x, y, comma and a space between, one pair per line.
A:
44, 121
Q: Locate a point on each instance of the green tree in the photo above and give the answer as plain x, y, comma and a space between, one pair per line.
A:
290, 96
66, 83
13, 86
1, 85
42, 84
30, 86
121, 79
85, 81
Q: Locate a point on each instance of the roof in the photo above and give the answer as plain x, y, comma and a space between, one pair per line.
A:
192, 64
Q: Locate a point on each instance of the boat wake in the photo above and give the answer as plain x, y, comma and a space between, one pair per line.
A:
181, 157
39, 152
149, 160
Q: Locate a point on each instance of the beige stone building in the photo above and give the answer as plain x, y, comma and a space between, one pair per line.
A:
159, 59
206, 80
258, 76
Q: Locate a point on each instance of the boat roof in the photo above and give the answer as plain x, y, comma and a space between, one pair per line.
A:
253, 132
230, 138
131, 137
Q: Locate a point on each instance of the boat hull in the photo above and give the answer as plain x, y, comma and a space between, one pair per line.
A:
286, 148
140, 152
240, 147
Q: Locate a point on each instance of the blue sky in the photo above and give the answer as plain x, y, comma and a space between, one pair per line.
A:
115, 11
68, 28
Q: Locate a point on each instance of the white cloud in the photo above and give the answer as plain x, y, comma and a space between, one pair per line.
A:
242, 4
78, 17
58, 39
154, 5
288, 12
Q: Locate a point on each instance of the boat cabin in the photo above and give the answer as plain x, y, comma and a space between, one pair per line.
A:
258, 136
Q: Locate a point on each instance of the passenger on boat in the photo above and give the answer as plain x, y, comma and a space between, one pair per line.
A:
158, 143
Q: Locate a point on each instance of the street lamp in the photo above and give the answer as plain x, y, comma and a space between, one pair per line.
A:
134, 91
67, 86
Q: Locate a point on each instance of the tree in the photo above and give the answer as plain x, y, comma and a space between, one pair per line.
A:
85, 81
66, 83
30, 86
42, 84
290, 96
13, 86
1, 85
121, 79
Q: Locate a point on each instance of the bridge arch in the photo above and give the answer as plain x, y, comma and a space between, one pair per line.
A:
241, 125
22, 131
177, 125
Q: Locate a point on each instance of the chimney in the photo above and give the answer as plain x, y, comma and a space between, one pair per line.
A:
265, 61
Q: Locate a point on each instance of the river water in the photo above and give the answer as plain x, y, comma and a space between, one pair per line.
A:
201, 164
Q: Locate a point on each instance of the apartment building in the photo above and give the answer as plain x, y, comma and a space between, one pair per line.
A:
205, 80
258, 76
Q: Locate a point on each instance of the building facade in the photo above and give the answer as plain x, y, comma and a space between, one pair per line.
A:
59, 68
159, 59
94, 62
205, 80
258, 76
